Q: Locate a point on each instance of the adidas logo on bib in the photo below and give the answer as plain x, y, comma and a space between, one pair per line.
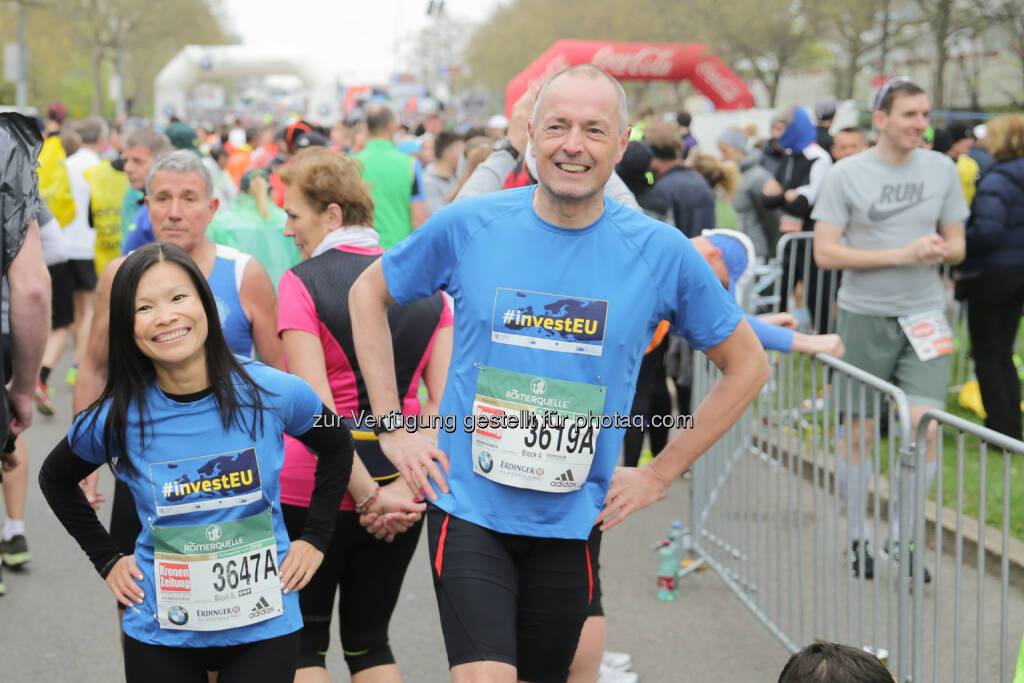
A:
565, 480
261, 608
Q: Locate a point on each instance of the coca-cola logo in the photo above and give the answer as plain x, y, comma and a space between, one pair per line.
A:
647, 62
717, 81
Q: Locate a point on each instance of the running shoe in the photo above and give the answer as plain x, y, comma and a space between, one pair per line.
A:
617, 660
610, 675
72, 375
892, 553
15, 551
43, 401
869, 562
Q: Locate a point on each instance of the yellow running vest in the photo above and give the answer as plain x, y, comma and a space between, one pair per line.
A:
107, 189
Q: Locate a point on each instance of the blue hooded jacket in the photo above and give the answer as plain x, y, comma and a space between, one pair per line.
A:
995, 230
799, 133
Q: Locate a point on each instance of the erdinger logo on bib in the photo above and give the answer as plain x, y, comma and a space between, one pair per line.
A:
555, 322
207, 482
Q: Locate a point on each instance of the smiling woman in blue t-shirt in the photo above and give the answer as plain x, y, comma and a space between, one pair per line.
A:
196, 433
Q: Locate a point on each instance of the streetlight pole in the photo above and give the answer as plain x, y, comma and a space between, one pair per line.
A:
21, 94
121, 108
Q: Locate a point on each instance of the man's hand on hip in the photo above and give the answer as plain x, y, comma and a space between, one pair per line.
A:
632, 489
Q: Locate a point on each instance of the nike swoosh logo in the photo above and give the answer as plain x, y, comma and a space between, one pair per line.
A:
877, 216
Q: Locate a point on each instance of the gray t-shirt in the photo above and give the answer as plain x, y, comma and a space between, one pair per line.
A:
880, 206
436, 188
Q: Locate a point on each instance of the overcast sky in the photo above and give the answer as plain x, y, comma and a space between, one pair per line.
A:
365, 39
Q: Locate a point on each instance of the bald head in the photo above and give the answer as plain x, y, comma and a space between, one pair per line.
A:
379, 120
592, 72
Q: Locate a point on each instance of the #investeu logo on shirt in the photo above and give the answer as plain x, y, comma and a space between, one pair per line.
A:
555, 322
207, 482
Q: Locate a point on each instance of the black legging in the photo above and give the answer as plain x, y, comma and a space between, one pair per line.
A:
369, 574
652, 398
994, 302
272, 660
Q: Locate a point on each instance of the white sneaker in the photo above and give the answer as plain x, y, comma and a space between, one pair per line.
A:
610, 675
617, 660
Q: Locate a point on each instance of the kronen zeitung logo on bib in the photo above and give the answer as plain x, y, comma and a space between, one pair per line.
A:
206, 482
554, 322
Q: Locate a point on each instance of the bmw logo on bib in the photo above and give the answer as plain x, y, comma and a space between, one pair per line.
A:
486, 461
177, 615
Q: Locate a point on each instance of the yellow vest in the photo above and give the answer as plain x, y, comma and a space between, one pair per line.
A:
54, 181
107, 189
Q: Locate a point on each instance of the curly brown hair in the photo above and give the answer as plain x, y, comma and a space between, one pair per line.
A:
326, 178
1005, 139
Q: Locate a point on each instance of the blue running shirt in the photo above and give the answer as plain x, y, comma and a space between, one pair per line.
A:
194, 472
570, 308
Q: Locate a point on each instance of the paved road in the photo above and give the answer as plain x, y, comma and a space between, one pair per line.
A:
57, 621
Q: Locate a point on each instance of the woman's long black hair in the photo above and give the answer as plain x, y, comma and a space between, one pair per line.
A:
130, 372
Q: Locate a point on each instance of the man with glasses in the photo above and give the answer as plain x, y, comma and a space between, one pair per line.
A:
901, 210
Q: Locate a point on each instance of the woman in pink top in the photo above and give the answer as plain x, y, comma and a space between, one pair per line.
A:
330, 218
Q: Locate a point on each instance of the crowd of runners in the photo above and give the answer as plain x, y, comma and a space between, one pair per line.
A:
297, 304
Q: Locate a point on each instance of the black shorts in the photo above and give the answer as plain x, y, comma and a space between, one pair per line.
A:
596, 609
83, 274
272, 660
369, 573
520, 600
62, 290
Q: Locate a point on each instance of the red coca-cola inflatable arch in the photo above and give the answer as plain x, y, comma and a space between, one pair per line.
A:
639, 62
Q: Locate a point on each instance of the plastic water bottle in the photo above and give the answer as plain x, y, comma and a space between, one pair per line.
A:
675, 535
668, 565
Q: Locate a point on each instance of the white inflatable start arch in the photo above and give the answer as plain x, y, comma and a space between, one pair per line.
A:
198, 63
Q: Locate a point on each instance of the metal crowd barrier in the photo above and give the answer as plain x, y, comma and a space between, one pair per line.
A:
767, 514
972, 613
777, 281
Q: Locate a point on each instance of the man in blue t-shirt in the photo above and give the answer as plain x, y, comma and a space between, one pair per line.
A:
557, 294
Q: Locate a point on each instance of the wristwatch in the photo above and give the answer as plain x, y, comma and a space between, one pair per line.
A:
505, 145
387, 423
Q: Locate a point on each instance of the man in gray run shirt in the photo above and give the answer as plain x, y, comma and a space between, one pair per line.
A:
901, 211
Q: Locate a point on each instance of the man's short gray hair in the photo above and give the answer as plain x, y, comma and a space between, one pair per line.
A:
593, 71
156, 142
180, 161
92, 129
